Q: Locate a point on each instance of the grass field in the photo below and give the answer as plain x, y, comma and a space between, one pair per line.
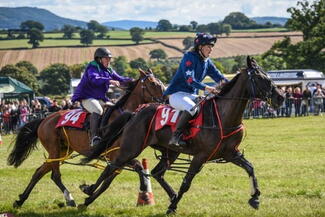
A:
122, 34
124, 38
288, 155
125, 35
22, 43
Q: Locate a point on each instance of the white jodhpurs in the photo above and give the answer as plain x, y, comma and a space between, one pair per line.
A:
93, 105
183, 101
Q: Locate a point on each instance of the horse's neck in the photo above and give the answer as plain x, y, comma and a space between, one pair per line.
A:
134, 100
233, 105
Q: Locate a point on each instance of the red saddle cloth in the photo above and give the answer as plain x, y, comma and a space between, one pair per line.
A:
72, 118
168, 116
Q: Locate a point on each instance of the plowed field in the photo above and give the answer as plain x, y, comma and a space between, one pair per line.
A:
250, 44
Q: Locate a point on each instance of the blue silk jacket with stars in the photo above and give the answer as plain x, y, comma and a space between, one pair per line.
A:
190, 74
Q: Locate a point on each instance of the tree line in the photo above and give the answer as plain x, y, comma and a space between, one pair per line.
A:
235, 20
55, 79
309, 18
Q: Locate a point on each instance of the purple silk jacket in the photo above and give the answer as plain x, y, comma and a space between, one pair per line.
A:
95, 82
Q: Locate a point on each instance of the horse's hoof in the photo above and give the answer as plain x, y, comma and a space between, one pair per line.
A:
82, 207
61, 205
16, 204
85, 189
254, 202
71, 203
170, 211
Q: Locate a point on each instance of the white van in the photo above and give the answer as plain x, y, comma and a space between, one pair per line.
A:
297, 77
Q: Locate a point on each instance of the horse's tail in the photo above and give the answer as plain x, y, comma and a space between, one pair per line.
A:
25, 142
111, 133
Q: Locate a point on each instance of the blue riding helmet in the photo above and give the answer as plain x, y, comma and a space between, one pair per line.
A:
204, 39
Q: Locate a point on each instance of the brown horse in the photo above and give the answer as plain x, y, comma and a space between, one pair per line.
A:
218, 138
60, 142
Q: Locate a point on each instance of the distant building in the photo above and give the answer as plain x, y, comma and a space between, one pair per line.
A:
297, 77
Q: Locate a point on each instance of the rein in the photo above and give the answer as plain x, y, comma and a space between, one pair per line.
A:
254, 90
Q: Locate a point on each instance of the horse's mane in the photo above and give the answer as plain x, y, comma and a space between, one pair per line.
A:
129, 89
228, 86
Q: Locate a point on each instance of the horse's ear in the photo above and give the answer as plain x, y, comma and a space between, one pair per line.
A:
150, 70
142, 72
253, 62
249, 62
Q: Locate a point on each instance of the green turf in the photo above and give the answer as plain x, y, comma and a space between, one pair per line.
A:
8, 44
288, 155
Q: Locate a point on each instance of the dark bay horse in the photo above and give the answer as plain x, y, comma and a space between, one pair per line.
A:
60, 142
218, 138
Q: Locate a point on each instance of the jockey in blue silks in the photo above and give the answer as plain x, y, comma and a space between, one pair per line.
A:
187, 81
91, 91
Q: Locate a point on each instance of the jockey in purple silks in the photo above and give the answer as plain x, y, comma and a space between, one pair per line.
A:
183, 88
91, 91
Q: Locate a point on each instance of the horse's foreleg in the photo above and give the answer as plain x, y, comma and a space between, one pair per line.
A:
194, 168
240, 161
39, 173
56, 177
159, 171
137, 166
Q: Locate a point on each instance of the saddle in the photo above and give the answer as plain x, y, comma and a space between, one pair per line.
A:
79, 118
168, 116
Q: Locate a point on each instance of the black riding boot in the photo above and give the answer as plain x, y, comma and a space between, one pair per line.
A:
181, 124
94, 123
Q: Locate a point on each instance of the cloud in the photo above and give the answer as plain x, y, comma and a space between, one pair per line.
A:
177, 12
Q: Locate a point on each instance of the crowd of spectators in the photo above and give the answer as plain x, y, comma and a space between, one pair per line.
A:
297, 103
15, 113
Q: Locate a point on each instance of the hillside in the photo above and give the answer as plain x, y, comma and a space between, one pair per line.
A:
11, 18
128, 24
273, 20
236, 44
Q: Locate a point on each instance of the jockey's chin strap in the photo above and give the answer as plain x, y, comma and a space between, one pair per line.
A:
257, 92
202, 55
143, 87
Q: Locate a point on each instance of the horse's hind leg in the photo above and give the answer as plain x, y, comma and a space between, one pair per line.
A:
240, 161
89, 189
135, 164
194, 168
56, 177
38, 174
159, 171
111, 172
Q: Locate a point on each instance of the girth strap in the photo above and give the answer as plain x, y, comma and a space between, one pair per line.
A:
222, 136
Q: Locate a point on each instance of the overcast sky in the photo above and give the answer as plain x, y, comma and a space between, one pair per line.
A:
176, 11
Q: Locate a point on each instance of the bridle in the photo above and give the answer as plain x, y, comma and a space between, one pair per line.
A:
256, 91
144, 87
